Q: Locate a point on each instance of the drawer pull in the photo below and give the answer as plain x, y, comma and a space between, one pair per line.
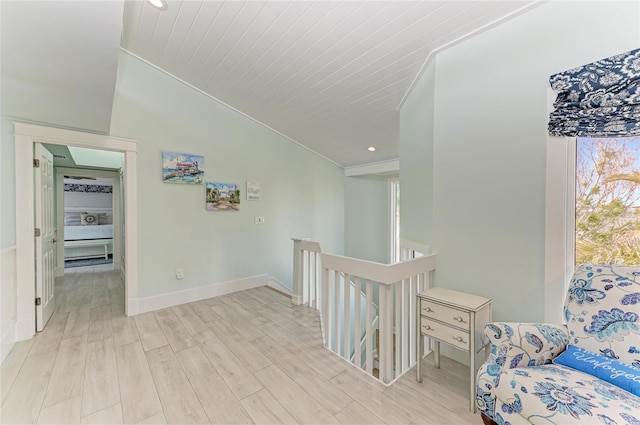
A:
427, 309
460, 319
427, 328
459, 339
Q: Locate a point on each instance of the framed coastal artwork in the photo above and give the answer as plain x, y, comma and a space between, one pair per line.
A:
222, 196
253, 191
182, 168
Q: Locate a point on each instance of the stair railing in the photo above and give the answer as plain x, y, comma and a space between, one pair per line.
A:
323, 281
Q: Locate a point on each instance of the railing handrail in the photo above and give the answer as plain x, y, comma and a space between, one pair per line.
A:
386, 274
324, 281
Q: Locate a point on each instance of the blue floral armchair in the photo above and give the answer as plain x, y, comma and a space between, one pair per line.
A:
519, 383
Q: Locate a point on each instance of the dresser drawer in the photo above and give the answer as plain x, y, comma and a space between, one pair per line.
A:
457, 318
445, 333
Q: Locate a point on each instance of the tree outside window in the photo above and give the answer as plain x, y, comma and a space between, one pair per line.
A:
608, 201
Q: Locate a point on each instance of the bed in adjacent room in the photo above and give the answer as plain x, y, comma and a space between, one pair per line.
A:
88, 234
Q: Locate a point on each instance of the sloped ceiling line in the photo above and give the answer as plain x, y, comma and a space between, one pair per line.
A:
228, 106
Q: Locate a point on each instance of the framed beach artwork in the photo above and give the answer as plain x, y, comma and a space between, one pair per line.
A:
253, 191
222, 196
182, 168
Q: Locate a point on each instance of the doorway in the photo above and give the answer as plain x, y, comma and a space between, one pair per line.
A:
26, 138
95, 195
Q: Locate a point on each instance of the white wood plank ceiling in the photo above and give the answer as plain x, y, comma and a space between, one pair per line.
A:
327, 74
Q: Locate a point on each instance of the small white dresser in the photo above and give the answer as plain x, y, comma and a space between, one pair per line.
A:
455, 318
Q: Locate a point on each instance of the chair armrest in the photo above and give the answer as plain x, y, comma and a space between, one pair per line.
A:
525, 344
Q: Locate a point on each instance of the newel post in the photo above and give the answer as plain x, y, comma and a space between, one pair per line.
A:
296, 298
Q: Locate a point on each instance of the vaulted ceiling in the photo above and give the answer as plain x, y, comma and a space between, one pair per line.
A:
59, 61
330, 75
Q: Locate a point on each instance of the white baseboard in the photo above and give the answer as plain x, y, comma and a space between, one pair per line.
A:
7, 342
144, 305
25, 329
132, 307
274, 283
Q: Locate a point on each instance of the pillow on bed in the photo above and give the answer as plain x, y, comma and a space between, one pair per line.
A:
72, 219
88, 219
105, 218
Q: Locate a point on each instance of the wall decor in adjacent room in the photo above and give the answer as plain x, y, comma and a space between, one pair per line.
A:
182, 168
253, 191
222, 196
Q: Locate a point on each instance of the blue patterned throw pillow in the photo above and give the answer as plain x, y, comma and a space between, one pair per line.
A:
606, 368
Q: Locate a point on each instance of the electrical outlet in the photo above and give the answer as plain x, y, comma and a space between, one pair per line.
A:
179, 274
259, 220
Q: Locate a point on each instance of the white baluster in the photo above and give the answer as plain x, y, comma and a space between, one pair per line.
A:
398, 329
346, 329
325, 307
314, 280
357, 328
408, 318
412, 321
335, 339
369, 323
306, 256
385, 314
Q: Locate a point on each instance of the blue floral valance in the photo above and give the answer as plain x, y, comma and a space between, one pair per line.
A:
601, 99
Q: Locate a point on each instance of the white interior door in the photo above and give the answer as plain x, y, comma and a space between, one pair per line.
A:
45, 243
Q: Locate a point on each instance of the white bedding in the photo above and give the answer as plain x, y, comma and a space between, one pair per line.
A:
72, 233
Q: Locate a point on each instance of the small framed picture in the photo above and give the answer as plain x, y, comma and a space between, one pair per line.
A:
222, 196
253, 191
182, 168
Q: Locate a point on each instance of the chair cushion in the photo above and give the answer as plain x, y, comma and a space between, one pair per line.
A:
555, 394
602, 311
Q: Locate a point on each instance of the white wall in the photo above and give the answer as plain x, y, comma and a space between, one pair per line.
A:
367, 218
416, 161
302, 193
87, 200
7, 239
7, 301
490, 119
7, 182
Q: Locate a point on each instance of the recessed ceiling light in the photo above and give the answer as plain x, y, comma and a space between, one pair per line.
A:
371, 149
159, 4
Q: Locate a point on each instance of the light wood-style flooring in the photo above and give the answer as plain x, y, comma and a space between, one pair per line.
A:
247, 357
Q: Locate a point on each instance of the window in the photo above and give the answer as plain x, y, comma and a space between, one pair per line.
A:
607, 197
595, 99
562, 216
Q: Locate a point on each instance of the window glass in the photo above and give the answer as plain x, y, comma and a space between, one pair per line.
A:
607, 221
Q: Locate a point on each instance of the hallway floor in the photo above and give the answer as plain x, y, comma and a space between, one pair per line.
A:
247, 357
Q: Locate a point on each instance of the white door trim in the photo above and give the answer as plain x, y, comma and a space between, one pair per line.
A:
560, 220
25, 137
560, 212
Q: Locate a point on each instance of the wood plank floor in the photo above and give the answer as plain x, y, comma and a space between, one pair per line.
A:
247, 357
